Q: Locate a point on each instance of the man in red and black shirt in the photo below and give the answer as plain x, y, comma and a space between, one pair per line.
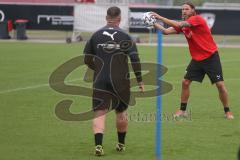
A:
204, 53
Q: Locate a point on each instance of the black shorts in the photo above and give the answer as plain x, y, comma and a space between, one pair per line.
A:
211, 66
105, 95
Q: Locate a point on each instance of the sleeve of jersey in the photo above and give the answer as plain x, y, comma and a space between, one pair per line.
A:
135, 61
89, 55
88, 47
195, 20
178, 29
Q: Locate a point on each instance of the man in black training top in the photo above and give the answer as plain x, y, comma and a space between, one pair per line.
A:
107, 54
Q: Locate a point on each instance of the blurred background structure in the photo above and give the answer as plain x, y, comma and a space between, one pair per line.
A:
70, 20
156, 2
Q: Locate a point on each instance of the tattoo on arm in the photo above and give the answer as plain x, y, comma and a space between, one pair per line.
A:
185, 24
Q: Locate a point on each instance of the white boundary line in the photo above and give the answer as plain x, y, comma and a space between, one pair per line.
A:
47, 84
186, 45
138, 44
31, 87
225, 80
185, 65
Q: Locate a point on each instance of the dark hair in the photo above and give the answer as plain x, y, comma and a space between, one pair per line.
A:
113, 12
190, 4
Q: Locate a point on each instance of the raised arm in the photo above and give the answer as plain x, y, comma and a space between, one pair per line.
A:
165, 31
173, 23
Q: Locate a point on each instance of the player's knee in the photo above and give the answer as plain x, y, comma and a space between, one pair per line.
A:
98, 128
221, 87
122, 118
122, 124
186, 83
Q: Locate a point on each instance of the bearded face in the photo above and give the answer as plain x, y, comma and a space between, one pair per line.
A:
187, 11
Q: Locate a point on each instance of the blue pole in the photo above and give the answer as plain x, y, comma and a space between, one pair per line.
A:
159, 98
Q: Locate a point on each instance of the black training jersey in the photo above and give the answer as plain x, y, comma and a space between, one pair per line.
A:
107, 54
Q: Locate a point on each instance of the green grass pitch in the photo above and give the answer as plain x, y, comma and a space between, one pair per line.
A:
30, 130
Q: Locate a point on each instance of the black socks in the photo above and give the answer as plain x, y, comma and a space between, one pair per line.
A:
226, 109
121, 137
98, 138
183, 106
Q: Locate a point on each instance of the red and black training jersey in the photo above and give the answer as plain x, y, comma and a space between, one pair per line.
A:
199, 37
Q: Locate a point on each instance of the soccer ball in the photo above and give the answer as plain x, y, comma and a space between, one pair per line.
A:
148, 19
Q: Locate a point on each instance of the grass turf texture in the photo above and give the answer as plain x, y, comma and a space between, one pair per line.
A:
31, 130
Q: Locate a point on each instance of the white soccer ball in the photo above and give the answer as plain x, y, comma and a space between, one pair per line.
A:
149, 19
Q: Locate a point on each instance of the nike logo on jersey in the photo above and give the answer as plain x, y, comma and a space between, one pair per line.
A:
108, 34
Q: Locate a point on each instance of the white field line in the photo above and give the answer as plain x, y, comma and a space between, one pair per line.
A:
31, 87
225, 80
47, 84
186, 45
185, 65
